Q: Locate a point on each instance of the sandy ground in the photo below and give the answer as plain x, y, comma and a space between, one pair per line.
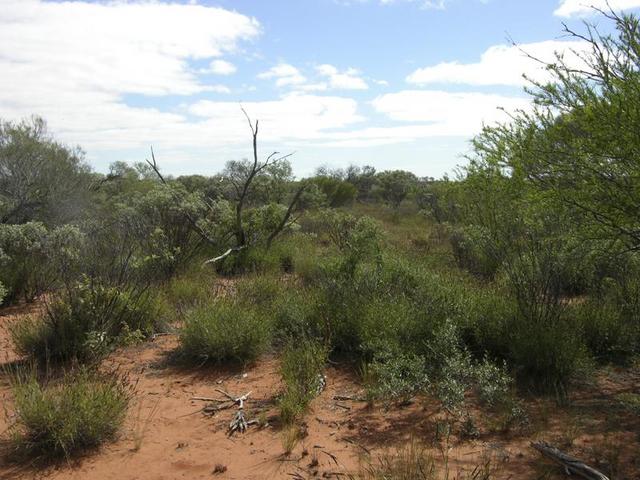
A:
166, 436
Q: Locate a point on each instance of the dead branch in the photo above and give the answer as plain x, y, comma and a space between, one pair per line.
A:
224, 255
569, 463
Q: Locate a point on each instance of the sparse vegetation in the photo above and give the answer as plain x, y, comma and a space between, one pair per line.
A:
515, 281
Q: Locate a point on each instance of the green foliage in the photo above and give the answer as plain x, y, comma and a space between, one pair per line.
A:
189, 290
301, 368
475, 250
85, 322
337, 192
34, 258
493, 383
396, 376
40, 179
3, 293
394, 186
224, 331
67, 416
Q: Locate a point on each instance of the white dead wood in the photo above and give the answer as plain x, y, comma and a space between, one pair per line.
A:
570, 464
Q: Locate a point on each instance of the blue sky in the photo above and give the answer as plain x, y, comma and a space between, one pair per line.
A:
390, 83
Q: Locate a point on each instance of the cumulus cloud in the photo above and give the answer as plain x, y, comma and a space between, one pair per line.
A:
570, 8
74, 62
348, 80
284, 74
296, 116
502, 65
447, 113
222, 67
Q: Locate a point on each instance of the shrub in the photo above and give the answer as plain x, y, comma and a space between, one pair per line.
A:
34, 258
67, 416
260, 290
608, 333
396, 376
87, 321
493, 383
296, 315
475, 251
224, 331
301, 369
543, 339
3, 293
188, 291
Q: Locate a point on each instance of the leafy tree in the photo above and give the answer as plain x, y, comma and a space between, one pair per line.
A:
580, 144
394, 186
40, 179
338, 192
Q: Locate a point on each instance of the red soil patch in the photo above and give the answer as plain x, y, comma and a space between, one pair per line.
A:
180, 442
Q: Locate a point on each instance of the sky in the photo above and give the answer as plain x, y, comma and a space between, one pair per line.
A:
397, 84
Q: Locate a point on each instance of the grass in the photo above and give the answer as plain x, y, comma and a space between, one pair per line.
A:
301, 368
61, 418
410, 462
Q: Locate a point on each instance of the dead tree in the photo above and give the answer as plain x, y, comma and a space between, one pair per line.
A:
242, 187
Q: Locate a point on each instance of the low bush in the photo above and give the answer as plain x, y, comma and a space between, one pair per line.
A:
189, 290
224, 331
260, 290
297, 315
65, 417
301, 369
475, 250
87, 321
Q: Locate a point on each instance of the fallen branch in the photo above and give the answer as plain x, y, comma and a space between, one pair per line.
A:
569, 463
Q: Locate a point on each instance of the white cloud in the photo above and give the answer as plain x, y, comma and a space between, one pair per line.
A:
296, 116
501, 65
348, 80
570, 8
220, 89
447, 113
222, 67
284, 74
73, 63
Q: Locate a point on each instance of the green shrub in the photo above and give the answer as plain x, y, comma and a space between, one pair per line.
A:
493, 383
543, 340
608, 333
255, 259
260, 290
3, 293
301, 368
34, 259
296, 315
87, 321
188, 291
67, 416
475, 250
396, 376
225, 331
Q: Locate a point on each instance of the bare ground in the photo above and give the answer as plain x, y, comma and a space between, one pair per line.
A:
167, 436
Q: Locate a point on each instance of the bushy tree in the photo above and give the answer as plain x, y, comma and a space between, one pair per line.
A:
40, 179
394, 186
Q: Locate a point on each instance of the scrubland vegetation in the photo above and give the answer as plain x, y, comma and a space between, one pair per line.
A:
518, 278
